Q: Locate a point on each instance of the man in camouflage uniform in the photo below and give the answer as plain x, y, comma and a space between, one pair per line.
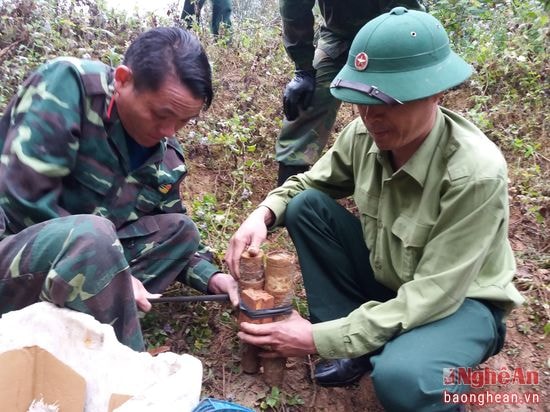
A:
90, 212
309, 107
221, 13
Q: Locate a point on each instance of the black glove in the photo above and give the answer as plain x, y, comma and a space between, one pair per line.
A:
298, 93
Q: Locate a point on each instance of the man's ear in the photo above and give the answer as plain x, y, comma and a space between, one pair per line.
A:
123, 76
438, 98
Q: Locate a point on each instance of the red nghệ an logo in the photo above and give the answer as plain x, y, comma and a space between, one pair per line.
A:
478, 378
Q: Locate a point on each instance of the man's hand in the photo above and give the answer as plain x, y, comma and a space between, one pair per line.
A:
298, 93
289, 337
224, 283
141, 295
251, 234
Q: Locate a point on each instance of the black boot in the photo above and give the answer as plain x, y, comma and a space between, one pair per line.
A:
342, 372
285, 171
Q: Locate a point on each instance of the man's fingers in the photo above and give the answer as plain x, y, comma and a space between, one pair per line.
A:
264, 342
257, 330
231, 266
255, 243
234, 295
306, 100
286, 108
143, 304
233, 256
269, 354
141, 294
253, 250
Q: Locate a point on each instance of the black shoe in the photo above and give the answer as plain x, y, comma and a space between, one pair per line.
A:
285, 171
341, 372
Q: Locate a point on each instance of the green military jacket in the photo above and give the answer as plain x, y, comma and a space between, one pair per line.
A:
436, 229
342, 21
65, 153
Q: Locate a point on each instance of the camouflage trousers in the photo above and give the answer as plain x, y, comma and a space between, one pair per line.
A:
81, 262
302, 141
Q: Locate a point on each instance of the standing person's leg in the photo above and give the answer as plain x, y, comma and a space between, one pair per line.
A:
75, 262
159, 250
221, 14
192, 11
415, 361
301, 142
333, 256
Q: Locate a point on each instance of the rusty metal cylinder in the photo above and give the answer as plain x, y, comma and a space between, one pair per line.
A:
279, 277
252, 271
251, 277
279, 282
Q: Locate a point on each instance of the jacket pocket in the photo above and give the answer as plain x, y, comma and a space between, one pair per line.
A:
148, 199
367, 204
89, 192
408, 242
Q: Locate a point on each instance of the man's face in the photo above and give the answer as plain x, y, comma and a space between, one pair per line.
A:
402, 127
148, 116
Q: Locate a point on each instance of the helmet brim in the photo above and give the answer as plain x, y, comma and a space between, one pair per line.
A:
404, 85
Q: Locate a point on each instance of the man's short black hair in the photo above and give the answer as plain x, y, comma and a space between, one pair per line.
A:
162, 51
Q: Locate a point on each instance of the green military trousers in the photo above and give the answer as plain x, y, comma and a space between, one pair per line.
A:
221, 13
83, 263
408, 371
301, 141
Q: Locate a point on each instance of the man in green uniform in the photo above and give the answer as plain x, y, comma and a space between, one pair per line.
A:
221, 13
420, 282
309, 108
90, 212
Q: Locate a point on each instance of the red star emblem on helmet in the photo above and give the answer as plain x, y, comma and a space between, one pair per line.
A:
361, 61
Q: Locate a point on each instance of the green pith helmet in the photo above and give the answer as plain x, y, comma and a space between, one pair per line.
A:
397, 57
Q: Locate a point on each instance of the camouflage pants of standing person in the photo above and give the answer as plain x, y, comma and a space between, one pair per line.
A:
81, 262
301, 142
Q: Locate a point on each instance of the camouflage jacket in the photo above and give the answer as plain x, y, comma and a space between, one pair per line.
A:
2, 222
342, 21
63, 154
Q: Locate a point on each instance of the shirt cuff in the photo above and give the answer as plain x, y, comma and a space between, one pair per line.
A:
277, 207
199, 274
338, 338
329, 340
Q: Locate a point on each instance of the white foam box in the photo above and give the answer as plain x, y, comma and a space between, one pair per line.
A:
71, 360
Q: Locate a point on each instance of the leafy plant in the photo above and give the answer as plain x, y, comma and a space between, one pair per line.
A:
278, 400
